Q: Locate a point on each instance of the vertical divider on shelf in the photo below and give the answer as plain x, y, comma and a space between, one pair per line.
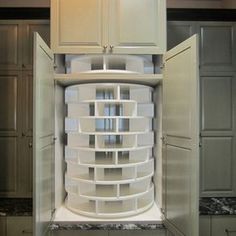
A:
96, 113
136, 204
95, 175
118, 191
96, 207
135, 172
117, 124
118, 92
116, 157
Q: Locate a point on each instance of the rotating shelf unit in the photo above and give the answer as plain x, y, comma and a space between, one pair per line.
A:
109, 149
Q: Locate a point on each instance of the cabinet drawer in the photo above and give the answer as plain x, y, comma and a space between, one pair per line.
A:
19, 226
224, 226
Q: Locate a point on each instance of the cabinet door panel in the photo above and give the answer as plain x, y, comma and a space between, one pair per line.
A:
3, 226
224, 226
8, 166
27, 103
217, 163
9, 95
217, 46
29, 27
10, 45
19, 226
137, 26
178, 31
204, 226
181, 138
43, 136
217, 101
77, 27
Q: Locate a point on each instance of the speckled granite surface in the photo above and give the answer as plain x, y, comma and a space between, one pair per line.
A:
16, 207
74, 226
217, 206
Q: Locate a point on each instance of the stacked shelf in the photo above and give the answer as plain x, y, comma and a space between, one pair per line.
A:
109, 149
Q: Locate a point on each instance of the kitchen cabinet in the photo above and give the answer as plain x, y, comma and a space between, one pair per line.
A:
10, 45
16, 43
101, 26
217, 83
29, 27
204, 226
217, 225
223, 225
180, 142
10, 132
21, 225
16, 226
2, 226
16, 107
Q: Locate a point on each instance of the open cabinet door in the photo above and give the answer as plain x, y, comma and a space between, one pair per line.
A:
181, 138
43, 136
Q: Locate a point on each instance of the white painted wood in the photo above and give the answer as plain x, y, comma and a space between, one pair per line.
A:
181, 138
19, 226
72, 79
43, 135
102, 26
137, 26
77, 26
153, 215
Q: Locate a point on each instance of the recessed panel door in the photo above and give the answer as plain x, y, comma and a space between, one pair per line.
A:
181, 138
43, 136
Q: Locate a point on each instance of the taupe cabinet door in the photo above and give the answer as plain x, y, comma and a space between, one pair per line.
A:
10, 132
43, 135
10, 45
218, 101
181, 138
42, 27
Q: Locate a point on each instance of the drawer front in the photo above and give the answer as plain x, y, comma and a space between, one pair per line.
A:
19, 226
224, 226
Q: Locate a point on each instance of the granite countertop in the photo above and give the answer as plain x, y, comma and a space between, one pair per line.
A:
111, 226
16, 207
217, 206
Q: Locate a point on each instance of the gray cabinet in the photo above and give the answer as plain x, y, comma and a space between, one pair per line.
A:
19, 226
217, 226
204, 226
10, 45
10, 131
217, 46
218, 100
2, 226
16, 88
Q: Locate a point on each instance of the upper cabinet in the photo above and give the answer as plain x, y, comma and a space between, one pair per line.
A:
114, 26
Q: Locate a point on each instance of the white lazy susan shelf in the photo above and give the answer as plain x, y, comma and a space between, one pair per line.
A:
108, 77
109, 155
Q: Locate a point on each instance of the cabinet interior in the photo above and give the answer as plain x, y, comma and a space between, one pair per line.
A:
116, 117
